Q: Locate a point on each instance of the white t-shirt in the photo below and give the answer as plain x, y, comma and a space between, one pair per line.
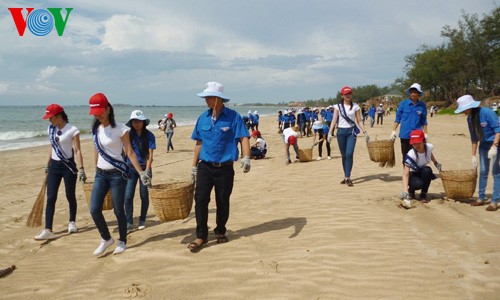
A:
261, 144
110, 140
421, 159
68, 132
288, 132
351, 113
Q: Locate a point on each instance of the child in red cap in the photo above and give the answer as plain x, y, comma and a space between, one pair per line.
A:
259, 148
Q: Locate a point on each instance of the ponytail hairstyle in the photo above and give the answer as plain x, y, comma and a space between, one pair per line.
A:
143, 141
476, 123
64, 116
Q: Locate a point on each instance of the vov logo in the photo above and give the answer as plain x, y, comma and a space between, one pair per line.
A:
40, 21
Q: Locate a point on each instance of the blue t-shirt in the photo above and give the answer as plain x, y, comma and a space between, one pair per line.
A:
324, 130
329, 115
489, 123
308, 114
410, 116
372, 112
256, 119
219, 138
136, 145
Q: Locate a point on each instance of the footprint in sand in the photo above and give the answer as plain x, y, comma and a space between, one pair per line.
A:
136, 290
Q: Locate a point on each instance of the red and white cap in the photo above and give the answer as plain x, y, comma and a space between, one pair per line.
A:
345, 90
417, 136
52, 110
98, 104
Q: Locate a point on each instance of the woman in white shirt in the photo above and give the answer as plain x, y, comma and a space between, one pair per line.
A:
348, 116
111, 140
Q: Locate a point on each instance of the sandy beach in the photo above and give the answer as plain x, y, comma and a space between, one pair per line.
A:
294, 232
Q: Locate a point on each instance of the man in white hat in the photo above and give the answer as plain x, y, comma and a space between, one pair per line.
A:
412, 114
217, 133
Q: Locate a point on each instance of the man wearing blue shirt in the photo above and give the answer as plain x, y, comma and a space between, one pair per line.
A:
411, 114
217, 133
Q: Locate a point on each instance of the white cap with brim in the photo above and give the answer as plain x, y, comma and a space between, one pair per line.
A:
137, 115
213, 89
317, 125
466, 102
417, 87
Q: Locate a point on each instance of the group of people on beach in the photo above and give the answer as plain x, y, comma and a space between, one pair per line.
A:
124, 156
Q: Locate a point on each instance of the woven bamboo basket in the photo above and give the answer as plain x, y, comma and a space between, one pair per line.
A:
172, 201
108, 201
382, 151
305, 155
459, 184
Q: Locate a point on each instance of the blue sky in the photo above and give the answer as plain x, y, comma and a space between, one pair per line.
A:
163, 52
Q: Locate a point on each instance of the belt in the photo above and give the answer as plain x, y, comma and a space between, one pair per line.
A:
108, 172
218, 165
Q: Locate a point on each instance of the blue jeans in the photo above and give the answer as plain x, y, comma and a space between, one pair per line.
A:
347, 142
169, 135
484, 169
102, 183
129, 197
57, 172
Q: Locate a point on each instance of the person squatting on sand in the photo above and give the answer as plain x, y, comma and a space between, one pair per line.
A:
347, 115
289, 137
259, 148
321, 130
484, 129
417, 174
411, 114
111, 139
168, 126
65, 144
217, 133
143, 142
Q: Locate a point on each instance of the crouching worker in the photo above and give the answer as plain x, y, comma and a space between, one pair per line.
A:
290, 139
259, 148
417, 174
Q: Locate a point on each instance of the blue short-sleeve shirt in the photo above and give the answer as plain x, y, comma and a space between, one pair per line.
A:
136, 145
411, 116
219, 138
489, 124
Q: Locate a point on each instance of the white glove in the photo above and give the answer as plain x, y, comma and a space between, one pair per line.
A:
438, 166
194, 173
492, 152
145, 179
393, 136
426, 136
315, 143
367, 137
329, 138
474, 162
245, 164
406, 203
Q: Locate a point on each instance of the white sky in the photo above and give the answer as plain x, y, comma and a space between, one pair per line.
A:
163, 52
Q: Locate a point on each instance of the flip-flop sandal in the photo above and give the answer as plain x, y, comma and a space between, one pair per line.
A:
221, 239
491, 208
195, 247
477, 203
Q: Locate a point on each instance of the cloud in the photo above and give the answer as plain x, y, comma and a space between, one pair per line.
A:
46, 73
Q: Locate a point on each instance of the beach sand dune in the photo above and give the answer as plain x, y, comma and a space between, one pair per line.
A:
294, 231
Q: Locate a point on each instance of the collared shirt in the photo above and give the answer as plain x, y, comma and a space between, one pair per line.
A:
490, 125
219, 138
137, 146
329, 115
410, 116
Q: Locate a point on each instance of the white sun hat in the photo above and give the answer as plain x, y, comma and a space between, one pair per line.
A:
213, 88
417, 87
137, 115
466, 102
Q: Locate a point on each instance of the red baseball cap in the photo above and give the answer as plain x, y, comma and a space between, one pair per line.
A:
345, 90
170, 115
416, 136
52, 110
292, 140
98, 104
255, 133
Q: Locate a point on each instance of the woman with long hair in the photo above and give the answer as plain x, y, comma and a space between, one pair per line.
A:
484, 130
143, 142
111, 142
348, 116
65, 145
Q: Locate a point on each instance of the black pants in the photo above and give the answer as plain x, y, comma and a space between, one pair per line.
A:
405, 147
421, 180
381, 118
320, 148
222, 179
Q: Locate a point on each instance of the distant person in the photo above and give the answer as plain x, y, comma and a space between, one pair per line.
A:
280, 121
372, 112
484, 130
111, 140
412, 114
143, 142
259, 148
431, 111
251, 120
65, 145
380, 114
169, 125
321, 130
217, 133
301, 121
256, 118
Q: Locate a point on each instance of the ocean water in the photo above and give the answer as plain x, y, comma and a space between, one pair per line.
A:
23, 126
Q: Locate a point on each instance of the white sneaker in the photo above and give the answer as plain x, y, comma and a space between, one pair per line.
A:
72, 227
329, 157
142, 225
319, 158
406, 203
120, 248
46, 234
103, 246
